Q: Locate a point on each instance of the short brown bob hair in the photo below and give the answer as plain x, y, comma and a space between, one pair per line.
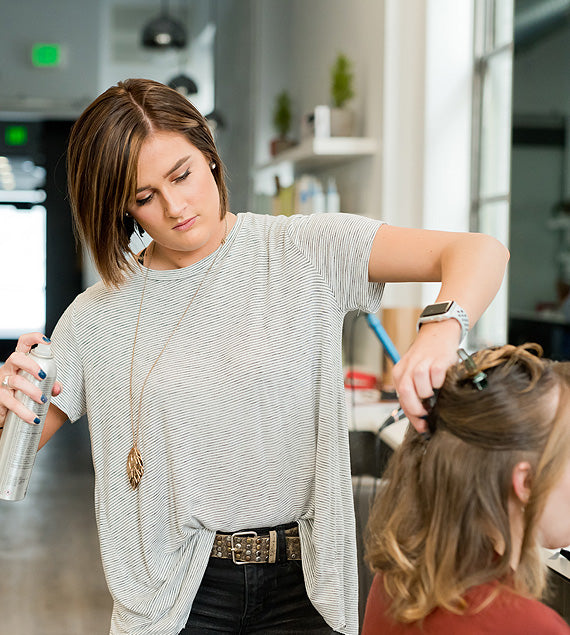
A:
102, 160
433, 527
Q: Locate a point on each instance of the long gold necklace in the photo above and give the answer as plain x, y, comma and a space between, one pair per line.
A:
135, 465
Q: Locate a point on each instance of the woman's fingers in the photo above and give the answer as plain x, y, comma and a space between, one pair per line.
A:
438, 371
20, 361
411, 403
421, 370
419, 424
17, 382
422, 379
11, 380
9, 402
26, 341
10, 384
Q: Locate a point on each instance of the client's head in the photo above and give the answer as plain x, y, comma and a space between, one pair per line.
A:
472, 503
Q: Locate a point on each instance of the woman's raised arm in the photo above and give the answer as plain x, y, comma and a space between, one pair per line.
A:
470, 267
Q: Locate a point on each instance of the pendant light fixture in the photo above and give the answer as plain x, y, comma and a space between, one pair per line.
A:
184, 85
164, 31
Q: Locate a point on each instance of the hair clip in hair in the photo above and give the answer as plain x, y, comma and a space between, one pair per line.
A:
480, 378
430, 402
429, 418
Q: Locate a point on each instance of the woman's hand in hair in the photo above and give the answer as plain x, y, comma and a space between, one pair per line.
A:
423, 368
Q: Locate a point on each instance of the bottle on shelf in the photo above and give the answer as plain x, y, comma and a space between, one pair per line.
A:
319, 201
333, 198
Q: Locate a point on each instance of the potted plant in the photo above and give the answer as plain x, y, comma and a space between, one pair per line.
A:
342, 90
281, 123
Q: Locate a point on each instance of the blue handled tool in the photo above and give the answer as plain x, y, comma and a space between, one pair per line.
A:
393, 354
377, 327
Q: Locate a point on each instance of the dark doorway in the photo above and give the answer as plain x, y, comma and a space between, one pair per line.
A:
33, 156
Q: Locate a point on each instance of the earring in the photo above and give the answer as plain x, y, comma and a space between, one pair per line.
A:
127, 215
212, 165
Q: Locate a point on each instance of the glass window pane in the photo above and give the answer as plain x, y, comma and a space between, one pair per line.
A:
496, 126
494, 220
538, 228
481, 43
491, 329
23, 261
503, 34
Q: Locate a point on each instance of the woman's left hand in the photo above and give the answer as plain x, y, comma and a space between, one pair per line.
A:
424, 366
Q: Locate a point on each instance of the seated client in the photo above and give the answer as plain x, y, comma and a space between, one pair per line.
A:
455, 533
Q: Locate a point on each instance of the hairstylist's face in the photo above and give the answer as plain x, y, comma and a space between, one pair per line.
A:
554, 523
177, 201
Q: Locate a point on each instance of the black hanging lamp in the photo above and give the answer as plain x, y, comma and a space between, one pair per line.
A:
184, 85
164, 31
215, 120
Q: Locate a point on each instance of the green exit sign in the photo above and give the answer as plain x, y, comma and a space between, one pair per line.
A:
46, 55
15, 135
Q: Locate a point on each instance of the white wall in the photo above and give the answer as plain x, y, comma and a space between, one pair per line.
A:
101, 44
58, 91
413, 94
296, 45
413, 68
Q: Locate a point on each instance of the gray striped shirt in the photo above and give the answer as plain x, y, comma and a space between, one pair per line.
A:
243, 422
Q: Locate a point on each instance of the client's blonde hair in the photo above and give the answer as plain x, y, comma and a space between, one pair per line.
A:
430, 528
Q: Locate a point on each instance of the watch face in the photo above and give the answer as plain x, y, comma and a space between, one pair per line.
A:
436, 309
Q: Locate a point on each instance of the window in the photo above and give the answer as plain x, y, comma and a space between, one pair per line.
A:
491, 143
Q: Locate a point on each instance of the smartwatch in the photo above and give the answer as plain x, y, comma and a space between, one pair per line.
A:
445, 311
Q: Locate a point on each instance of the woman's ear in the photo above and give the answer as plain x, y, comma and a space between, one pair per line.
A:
521, 480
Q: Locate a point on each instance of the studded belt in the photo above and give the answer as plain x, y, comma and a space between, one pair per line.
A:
249, 547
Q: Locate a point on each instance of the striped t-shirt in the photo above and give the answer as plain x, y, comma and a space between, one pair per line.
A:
243, 422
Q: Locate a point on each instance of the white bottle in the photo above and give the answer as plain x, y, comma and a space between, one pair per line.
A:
319, 203
20, 439
303, 187
333, 198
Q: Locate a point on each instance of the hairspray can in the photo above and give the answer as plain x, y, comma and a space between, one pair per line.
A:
20, 439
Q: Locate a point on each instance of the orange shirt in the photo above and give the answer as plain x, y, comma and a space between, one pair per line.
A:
508, 614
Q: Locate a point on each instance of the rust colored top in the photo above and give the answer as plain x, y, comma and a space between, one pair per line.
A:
508, 614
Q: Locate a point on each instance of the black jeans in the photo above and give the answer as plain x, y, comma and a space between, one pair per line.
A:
254, 599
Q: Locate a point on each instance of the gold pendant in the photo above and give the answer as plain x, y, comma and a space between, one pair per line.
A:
135, 467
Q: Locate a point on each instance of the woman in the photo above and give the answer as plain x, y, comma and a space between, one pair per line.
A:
209, 366
454, 535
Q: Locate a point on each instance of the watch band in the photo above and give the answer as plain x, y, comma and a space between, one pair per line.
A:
445, 311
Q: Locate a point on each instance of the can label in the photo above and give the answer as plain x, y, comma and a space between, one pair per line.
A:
19, 440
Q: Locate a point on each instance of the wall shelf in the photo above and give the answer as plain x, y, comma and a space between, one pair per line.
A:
318, 152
